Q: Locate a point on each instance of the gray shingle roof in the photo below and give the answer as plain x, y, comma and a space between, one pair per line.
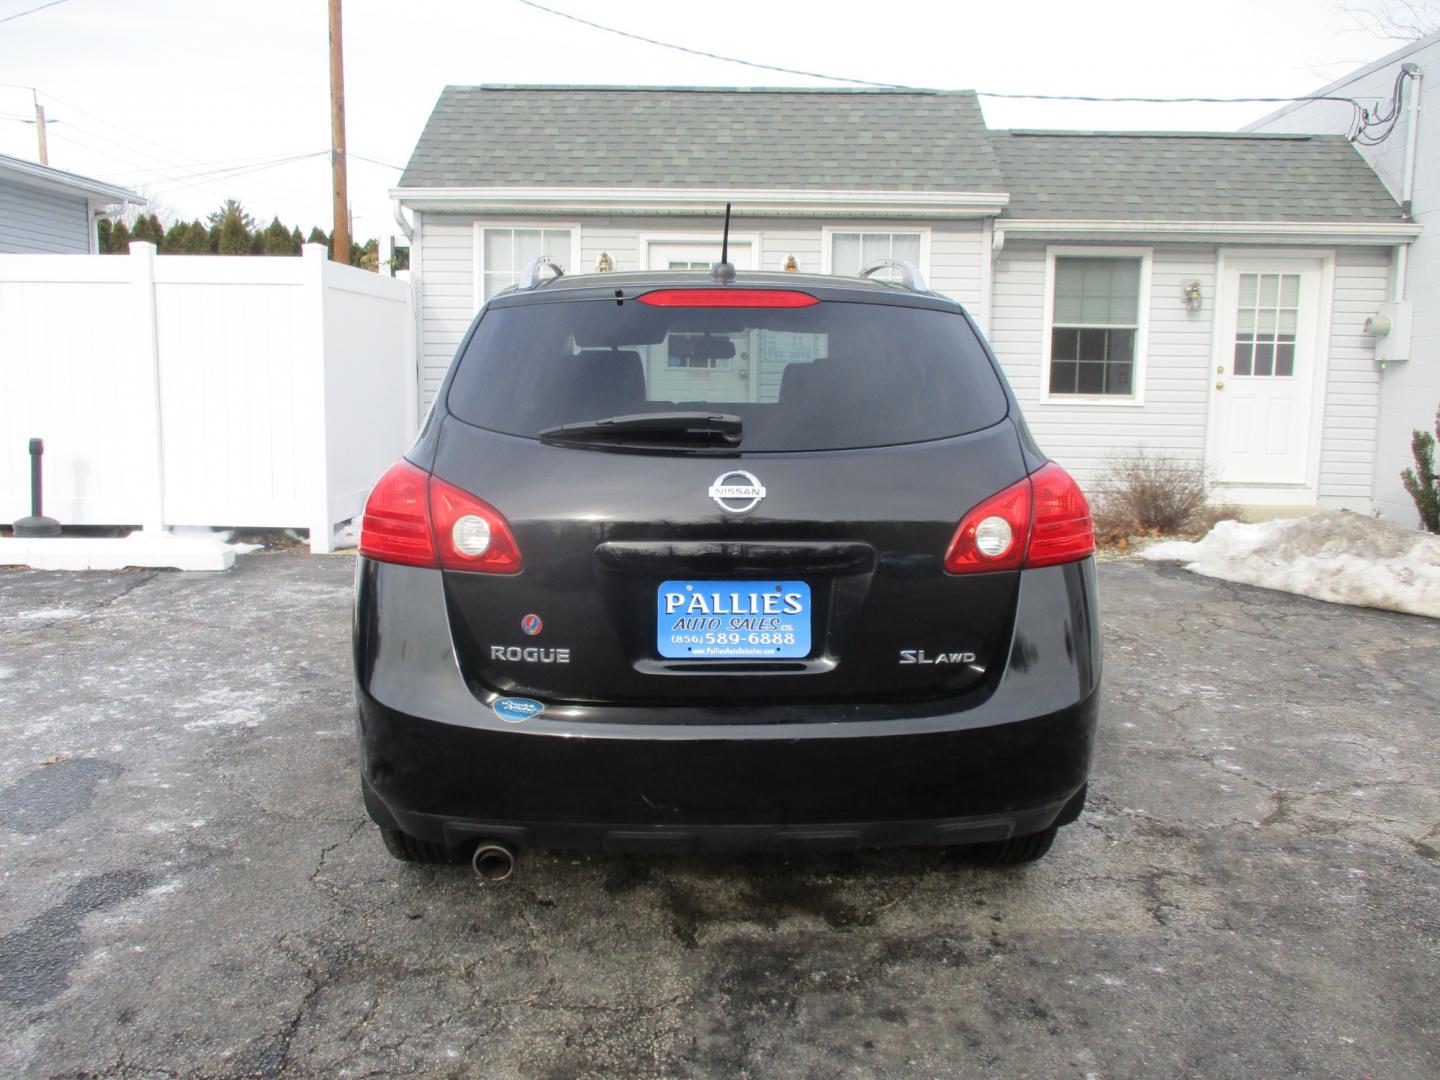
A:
880, 140
1166, 176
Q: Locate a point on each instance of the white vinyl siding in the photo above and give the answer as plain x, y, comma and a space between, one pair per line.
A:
35, 221
1084, 435
447, 294
1178, 370
449, 258
1352, 391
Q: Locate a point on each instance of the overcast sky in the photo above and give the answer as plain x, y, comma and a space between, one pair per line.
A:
162, 94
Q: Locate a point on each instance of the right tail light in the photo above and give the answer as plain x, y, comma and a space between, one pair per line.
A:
1043, 520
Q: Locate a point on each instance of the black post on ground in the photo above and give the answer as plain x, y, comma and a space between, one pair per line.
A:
36, 524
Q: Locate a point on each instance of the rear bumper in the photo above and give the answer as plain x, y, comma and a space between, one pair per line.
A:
439, 765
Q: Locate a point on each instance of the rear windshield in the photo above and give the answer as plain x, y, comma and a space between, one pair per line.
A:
826, 377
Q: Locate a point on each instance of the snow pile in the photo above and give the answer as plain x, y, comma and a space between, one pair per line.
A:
1338, 556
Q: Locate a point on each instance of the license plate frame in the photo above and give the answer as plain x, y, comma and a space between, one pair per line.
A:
733, 620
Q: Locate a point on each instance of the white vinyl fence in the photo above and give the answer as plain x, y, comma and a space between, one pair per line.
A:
201, 390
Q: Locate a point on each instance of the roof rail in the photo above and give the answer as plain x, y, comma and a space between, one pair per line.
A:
910, 275
530, 275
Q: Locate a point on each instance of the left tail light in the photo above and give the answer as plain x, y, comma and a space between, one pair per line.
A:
396, 525
416, 519
1043, 520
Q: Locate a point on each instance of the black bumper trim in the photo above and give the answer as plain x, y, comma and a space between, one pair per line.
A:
460, 834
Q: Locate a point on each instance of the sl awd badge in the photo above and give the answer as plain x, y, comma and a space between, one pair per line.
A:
737, 491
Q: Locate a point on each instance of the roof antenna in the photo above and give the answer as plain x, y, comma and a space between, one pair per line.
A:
724, 270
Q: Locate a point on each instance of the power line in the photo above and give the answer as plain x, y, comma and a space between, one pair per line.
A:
1362, 116
710, 55
241, 170
372, 161
32, 11
198, 181
263, 191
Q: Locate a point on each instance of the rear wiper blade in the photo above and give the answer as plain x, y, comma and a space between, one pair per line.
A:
723, 428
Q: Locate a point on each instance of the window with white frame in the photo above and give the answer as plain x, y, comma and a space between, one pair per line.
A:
1095, 325
504, 253
851, 252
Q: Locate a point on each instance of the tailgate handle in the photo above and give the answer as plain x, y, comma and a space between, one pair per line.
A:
719, 555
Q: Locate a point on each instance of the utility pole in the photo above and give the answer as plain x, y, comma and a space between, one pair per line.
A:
340, 238
40, 131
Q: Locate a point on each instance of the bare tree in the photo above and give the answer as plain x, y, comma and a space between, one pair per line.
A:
1394, 20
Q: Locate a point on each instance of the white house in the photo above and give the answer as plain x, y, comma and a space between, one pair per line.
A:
1203, 295
50, 210
1408, 161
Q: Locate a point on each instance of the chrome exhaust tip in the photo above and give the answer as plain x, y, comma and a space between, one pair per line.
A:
493, 862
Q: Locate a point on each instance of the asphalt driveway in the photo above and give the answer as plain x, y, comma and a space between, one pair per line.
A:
190, 887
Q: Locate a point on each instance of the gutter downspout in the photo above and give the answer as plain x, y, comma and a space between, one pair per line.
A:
405, 226
1412, 132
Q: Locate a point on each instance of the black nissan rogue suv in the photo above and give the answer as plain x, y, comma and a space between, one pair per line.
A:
684, 563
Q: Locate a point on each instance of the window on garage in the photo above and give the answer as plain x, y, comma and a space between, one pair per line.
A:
1096, 330
504, 253
851, 252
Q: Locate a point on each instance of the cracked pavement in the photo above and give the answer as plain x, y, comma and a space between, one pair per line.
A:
191, 888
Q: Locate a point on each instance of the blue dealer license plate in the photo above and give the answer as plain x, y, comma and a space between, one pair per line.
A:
733, 620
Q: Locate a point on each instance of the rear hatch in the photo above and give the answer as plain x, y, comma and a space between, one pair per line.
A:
745, 504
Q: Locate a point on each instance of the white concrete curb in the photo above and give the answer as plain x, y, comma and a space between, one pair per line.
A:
139, 549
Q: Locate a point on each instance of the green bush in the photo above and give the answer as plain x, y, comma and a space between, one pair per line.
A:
1420, 481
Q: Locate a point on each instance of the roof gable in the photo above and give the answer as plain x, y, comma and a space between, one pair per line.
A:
497, 136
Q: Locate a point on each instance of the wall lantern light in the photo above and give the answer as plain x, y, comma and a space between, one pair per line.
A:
1190, 294
792, 264
604, 264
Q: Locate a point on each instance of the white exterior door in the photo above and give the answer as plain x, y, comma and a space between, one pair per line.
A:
677, 377
1266, 371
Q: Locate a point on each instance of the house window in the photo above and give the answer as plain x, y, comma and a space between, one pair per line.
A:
504, 253
851, 252
1095, 326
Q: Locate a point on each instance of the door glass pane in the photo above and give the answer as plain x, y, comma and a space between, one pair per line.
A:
1244, 350
1264, 357
1267, 318
1285, 359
